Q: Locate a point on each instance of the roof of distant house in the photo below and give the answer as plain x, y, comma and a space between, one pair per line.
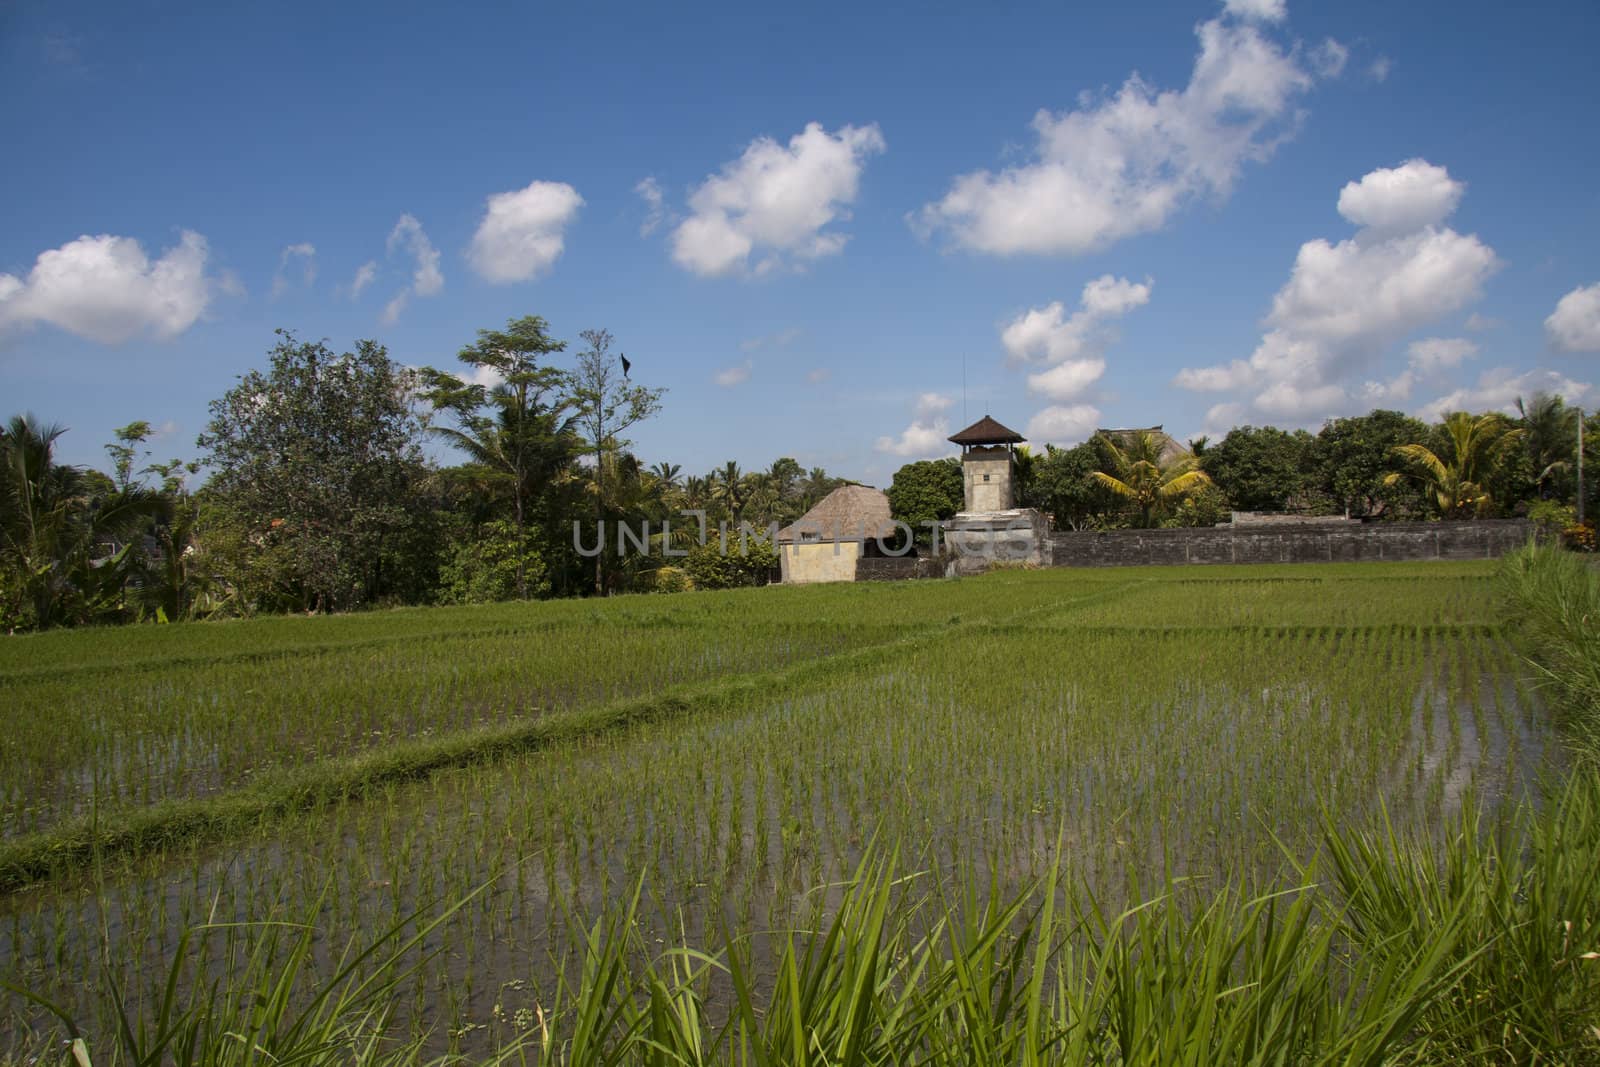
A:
987, 432
849, 513
1170, 448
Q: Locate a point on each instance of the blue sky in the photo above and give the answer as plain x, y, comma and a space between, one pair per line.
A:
833, 231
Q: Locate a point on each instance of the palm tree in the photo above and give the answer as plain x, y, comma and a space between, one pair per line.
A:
1552, 432
728, 489
1474, 445
1138, 475
52, 526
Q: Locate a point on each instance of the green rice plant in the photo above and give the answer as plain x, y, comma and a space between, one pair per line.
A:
1554, 596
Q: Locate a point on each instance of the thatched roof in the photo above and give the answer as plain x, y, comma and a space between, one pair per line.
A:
849, 513
1170, 448
987, 432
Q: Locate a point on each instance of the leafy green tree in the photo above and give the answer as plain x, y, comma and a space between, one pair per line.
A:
725, 564
1455, 471
498, 562
1550, 430
1259, 468
511, 422
607, 403
1136, 473
317, 471
929, 490
1352, 457
1064, 486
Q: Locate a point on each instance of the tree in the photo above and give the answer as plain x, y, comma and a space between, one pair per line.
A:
607, 404
513, 427
60, 528
1551, 437
1455, 473
1259, 469
1135, 472
1064, 486
1351, 458
317, 471
930, 490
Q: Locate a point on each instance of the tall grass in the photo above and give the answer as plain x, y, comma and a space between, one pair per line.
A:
1474, 950
1554, 596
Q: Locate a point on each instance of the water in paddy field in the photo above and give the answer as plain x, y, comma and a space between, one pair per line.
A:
996, 753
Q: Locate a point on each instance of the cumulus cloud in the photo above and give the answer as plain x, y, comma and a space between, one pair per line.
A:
737, 374
1401, 199
772, 204
306, 253
1072, 344
655, 212
1123, 164
1346, 302
1499, 388
1427, 361
925, 437
1574, 326
522, 232
408, 238
1063, 425
106, 289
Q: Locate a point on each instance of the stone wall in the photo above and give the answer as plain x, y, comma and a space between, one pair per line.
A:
1481, 539
894, 568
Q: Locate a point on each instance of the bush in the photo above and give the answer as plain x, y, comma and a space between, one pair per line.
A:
731, 562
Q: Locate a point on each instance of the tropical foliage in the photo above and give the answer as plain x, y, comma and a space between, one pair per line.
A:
1134, 470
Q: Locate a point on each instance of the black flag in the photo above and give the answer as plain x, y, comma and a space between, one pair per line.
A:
625, 366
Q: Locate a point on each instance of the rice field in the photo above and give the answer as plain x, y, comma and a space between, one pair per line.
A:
1121, 729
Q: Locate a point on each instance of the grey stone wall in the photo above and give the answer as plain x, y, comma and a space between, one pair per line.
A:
1479, 539
894, 568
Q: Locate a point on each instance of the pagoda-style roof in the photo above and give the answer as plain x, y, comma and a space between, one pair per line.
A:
987, 432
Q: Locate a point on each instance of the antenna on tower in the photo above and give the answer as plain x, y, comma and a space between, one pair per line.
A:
963, 388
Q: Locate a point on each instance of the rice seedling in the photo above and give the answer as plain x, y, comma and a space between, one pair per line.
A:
1058, 748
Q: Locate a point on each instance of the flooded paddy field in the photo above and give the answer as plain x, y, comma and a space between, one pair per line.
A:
1126, 728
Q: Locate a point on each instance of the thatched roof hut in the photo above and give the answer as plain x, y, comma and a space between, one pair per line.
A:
1170, 448
849, 513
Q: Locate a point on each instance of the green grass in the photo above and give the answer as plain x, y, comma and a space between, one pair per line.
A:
1192, 736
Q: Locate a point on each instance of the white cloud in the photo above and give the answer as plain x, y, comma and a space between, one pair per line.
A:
1574, 326
737, 374
1401, 199
1069, 380
366, 274
1049, 335
1063, 425
106, 289
1345, 303
1499, 388
925, 437
426, 278
1480, 323
306, 252
1123, 164
774, 201
1378, 70
1264, 10
521, 235
650, 192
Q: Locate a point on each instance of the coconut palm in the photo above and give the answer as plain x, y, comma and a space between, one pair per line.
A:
1137, 474
1455, 476
63, 545
1551, 437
